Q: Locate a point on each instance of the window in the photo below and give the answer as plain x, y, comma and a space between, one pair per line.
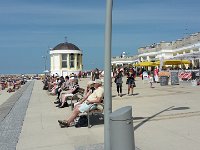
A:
71, 60
78, 61
64, 60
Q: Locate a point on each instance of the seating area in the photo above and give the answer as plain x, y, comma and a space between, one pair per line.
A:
74, 96
98, 110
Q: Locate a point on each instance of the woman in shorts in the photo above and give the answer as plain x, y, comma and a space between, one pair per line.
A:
131, 82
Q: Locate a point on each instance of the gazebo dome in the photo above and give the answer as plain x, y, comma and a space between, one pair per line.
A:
66, 46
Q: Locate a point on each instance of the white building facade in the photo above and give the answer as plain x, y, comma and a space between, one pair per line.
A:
179, 49
124, 60
65, 59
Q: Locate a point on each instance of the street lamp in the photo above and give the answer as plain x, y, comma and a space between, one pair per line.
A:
45, 63
107, 72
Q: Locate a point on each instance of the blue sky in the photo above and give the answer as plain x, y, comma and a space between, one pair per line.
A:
28, 28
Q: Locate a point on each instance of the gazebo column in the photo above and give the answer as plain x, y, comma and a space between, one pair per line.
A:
148, 58
52, 62
68, 64
78, 60
56, 62
81, 63
75, 61
60, 64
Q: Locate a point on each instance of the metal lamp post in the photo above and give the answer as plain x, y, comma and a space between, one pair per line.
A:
107, 75
45, 62
115, 119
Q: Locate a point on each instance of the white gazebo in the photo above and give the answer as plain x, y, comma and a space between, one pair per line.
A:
65, 59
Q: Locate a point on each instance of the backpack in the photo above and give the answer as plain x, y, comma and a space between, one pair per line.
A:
82, 122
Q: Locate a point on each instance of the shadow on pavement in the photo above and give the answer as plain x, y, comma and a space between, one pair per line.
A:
148, 118
135, 94
180, 108
144, 121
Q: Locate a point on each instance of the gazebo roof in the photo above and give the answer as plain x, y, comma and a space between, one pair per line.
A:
66, 46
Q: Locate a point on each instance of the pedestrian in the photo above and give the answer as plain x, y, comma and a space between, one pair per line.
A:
156, 74
96, 74
119, 81
131, 82
151, 80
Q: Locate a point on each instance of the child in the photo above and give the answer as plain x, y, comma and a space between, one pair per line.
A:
151, 81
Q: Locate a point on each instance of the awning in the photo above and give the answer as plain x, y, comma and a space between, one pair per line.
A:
145, 64
174, 62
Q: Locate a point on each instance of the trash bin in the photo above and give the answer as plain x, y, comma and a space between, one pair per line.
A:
164, 80
121, 129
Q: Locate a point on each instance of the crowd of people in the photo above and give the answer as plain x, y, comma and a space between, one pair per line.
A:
11, 83
64, 87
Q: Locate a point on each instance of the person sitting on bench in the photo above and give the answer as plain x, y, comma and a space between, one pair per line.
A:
95, 97
67, 93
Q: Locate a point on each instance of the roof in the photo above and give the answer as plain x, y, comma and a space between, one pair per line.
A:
66, 46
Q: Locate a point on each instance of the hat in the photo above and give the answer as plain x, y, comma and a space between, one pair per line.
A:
90, 82
98, 81
72, 77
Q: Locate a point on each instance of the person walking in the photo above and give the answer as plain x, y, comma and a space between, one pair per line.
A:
131, 82
155, 72
118, 81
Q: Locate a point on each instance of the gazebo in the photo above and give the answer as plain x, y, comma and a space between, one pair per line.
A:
65, 59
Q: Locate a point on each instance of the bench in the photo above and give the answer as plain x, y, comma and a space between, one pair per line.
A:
99, 110
77, 96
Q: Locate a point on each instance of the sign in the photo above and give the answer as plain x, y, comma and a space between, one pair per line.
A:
174, 78
163, 73
164, 80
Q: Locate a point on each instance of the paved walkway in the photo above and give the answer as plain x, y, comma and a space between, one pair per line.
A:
12, 113
165, 118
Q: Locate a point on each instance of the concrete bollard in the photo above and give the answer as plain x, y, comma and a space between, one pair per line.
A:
121, 129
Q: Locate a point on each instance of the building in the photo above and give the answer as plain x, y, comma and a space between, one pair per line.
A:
123, 60
179, 49
65, 59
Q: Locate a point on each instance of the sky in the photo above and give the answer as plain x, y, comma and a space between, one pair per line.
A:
28, 28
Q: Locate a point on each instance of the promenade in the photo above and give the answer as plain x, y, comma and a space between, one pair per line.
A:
165, 118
